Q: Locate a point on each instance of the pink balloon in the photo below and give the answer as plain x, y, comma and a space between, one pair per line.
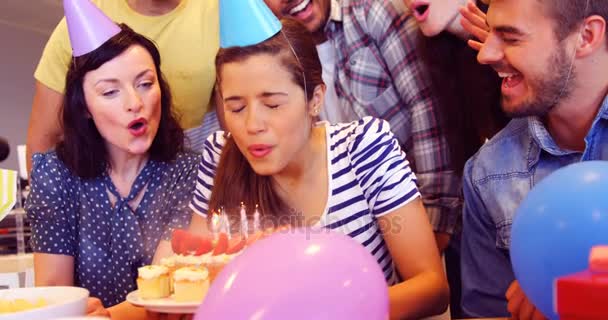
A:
299, 274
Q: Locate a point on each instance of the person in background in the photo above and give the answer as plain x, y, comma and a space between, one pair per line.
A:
187, 35
468, 92
378, 72
550, 56
352, 177
107, 199
468, 95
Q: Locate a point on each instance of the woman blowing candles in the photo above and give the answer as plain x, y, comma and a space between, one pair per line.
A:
350, 177
106, 199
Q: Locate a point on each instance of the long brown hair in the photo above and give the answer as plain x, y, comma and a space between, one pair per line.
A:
235, 180
468, 94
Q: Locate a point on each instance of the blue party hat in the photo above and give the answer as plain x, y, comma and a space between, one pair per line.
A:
246, 22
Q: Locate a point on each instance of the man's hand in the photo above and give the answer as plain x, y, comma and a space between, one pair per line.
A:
474, 22
519, 306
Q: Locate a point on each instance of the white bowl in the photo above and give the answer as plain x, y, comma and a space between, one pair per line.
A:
61, 302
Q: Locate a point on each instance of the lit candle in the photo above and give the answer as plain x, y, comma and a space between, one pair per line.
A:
244, 223
215, 224
225, 223
256, 220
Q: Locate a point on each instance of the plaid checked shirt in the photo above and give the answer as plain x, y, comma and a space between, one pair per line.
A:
378, 73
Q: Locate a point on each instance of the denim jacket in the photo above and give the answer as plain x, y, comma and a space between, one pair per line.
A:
496, 180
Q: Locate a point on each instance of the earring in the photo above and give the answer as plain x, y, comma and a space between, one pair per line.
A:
316, 110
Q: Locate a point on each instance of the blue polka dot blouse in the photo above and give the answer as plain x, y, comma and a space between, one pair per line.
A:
109, 241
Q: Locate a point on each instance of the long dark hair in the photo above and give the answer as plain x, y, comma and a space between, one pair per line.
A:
82, 149
468, 93
235, 180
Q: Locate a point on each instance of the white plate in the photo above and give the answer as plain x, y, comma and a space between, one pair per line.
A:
165, 305
62, 302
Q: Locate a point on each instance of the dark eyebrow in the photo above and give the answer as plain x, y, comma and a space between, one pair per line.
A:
233, 98
263, 95
270, 94
509, 30
113, 80
143, 73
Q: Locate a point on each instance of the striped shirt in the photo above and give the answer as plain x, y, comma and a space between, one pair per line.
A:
369, 176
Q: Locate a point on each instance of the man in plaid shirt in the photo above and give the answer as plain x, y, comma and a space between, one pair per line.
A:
378, 73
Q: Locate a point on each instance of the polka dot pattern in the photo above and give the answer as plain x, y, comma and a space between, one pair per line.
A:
73, 216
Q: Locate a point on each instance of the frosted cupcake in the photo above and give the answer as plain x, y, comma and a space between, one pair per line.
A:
190, 284
153, 282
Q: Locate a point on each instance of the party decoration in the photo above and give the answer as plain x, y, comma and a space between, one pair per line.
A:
8, 191
556, 226
300, 274
246, 22
88, 26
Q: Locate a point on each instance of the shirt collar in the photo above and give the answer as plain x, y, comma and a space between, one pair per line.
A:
335, 18
604, 109
543, 138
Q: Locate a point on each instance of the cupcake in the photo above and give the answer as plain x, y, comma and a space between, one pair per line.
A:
190, 284
153, 282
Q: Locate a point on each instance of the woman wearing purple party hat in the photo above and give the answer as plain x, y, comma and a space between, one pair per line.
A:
186, 33
352, 178
106, 199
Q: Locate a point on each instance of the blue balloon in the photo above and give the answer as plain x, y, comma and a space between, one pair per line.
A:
555, 227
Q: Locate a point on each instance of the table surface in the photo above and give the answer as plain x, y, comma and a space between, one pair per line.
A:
16, 263
484, 319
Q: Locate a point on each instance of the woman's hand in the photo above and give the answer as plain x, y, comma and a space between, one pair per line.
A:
409, 237
96, 308
474, 22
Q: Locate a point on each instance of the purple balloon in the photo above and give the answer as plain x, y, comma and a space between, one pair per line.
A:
299, 274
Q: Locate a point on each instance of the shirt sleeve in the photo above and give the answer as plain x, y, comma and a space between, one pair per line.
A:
427, 148
381, 167
55, 60
181, 194
49, 207
485, 269
206, 172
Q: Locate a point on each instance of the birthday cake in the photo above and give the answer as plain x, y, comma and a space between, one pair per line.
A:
197, 260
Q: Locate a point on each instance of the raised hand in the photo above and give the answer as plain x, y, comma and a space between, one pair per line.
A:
474, 22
